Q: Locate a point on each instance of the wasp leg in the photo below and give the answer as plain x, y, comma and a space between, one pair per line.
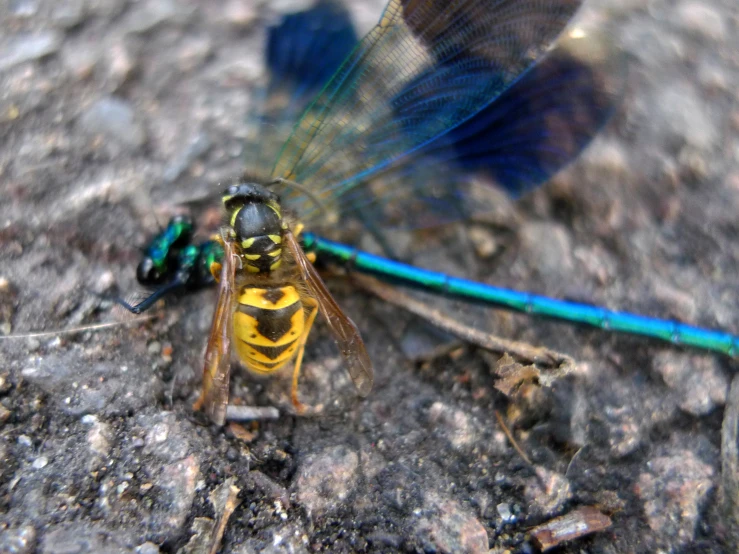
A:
301, 408
215, 267
215, 271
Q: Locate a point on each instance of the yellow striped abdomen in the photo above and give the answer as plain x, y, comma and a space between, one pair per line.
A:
268, 325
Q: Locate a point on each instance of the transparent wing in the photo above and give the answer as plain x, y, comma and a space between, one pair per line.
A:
425, 68
302, 52
534, 129
346, 334
217, 366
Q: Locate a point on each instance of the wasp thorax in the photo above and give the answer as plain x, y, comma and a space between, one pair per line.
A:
256, 220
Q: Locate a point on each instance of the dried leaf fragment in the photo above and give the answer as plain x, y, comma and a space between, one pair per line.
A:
578, 523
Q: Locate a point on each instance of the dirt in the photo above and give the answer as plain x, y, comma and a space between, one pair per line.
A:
110, 108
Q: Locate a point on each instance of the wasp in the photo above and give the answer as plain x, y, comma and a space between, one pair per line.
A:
269, 295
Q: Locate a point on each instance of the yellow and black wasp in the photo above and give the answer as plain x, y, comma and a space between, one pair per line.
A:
269, 294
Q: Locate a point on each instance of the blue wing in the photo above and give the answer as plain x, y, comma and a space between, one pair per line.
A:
426, 67
541, 119
307, 48
541, 123
302, 52
531, 131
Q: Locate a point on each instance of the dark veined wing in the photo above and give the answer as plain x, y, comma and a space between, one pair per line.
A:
344, 331
534, 129
426, 67
307, 47
545, 120
302, 52
217, 366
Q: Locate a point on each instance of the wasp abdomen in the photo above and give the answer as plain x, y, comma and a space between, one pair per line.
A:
268, 325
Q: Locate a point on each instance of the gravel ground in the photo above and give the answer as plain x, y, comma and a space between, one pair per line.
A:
109, 107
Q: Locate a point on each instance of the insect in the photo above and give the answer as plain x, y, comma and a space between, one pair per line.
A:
417, 97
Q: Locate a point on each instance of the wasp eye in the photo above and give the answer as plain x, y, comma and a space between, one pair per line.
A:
230, 191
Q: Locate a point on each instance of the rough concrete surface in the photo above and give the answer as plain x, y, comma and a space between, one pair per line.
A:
111, 107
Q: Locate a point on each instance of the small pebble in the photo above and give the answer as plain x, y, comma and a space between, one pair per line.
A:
118, 64
115, 120
157, 434
25, 48
240, 14
198, 146
702, 19
232, 454
686, 116
69, 13
104, 281
675, 489
40, 462
24, 8
147, 548
151, 14
483, 241
98, 439
79, 61
325, 479
504, 511
18, 541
